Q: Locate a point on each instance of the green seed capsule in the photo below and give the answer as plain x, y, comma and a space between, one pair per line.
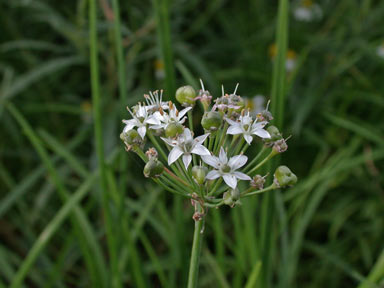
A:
284, 177
131, 137
173, 129
186, 95
153, 168
199, 173
211, 121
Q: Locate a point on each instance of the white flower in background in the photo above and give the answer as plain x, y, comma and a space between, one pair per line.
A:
380, 51
248, 127
307, 11
155, 101
173, 116
140, 120
255, 105
226, 168
185, 145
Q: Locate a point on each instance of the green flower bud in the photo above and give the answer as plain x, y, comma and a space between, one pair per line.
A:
284, 177
232, 197
186, 95
199, 173
275, 135
211, 121
173, 129
153, 168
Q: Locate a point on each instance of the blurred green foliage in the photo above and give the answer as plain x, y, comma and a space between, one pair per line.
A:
327, 231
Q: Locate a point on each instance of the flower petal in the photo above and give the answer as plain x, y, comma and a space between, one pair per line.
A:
187, 158
174, 155
262, 133
234, 130
200, 150
223, 156
211, 160
237, 161
169, 141
201, 138
231, 122
187, 134
142, 131
230, 180
183, 112
248, 138
213, 174
152, 120
241, 176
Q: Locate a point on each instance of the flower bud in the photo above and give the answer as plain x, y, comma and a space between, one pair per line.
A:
199, 173
275, 135
211, 121
186, 95
284, 177
153, 168
232, 197
173, 129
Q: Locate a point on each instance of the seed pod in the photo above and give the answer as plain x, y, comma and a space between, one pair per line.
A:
153, 168
199, 173
173, 129
186, 95
211, 121
232, 197
284, 177
131, 137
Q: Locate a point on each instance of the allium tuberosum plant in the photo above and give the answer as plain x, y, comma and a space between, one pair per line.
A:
211, 169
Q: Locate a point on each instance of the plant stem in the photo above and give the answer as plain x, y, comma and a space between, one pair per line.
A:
195, 255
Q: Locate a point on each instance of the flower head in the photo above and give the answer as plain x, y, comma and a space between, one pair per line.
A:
248, 127
173, 116
226, 168
141, 118
184, 146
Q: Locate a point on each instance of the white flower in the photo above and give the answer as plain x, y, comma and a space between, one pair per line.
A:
155, 101
185, 145
225, 168
380, 51
173, 116
306, 10
247, 127
140, 120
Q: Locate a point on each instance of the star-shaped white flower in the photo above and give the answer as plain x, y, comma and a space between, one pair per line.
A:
185, 145
226, 168
140, 120
155, 101
248, 127
173, 116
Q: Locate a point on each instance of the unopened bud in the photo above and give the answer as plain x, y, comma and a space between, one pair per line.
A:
211, 121
284, 177
131, 137
275, 135
173, 129
199, 173
232, 197
153, 168
186, 95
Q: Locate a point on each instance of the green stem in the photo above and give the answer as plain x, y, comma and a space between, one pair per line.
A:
265, 160
254, 160
250, 191
195, 255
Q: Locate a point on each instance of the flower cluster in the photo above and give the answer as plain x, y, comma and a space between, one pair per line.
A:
211, 169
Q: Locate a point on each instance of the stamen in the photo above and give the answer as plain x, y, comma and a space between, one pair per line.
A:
222, 90
202, 85
234, 92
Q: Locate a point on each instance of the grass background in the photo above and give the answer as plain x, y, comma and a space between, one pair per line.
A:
60, 227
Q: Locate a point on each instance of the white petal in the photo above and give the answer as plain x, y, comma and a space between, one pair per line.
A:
230, 180
213, 174
262, 133
129, 125
187, 160
142, 130
187, 134
234, 130
182, 112
237, 161
248, 138
169, 141
174, 155
201, 138
241, 176
157, 126
231, 122
152, 120
200, 150
223, 156
211, 160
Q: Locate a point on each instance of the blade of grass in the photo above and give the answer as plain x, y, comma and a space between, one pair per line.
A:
97, 115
